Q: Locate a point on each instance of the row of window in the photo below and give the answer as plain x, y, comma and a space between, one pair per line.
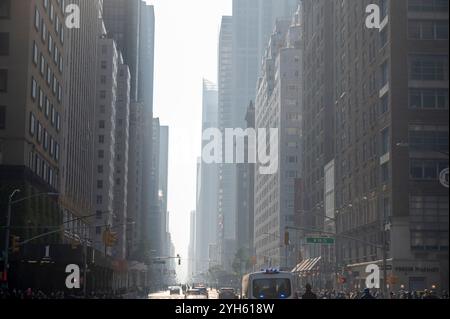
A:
428, 5
44, 138
428, 138
44, 170
37, 94
428, 29
424, 169
40, 25
429, 222
436, 99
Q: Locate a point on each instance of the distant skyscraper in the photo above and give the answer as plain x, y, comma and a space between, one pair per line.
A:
132, 24
105, 139
80, 105
207, 196
122, 163
191, 248
225, 213
252, 24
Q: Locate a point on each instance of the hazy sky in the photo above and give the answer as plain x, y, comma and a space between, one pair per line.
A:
187, 33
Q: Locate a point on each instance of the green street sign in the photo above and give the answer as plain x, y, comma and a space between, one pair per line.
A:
320, 240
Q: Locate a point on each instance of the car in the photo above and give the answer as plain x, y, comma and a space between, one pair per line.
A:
175, 290
227, 293
195, 294
203, 290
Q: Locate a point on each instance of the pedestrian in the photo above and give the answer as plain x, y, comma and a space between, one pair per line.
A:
366, 294
308, 293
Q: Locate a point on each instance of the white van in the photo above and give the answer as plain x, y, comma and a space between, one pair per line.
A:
269, 284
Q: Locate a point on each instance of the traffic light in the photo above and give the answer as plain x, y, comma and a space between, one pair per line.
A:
15, 246
179, 260
109, 238
286, 238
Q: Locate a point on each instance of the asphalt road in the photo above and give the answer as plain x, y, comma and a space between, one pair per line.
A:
213, 294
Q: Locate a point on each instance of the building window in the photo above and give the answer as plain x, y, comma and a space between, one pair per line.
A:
428, 29
98, 230
60, 64
58, 122
427, 169
385, 144
35, 53
52, 147
101, 139
44, 31
101, 124
428, 138
50, 44
53, 115
55, 84
428, 67
2, 117
5, 9
101, 154
37, 18
32, 124
4, 43
39, 132
428, 5
3, 80
47, 107
429, 222
431, 99
56, 151
103, 65
49, 75
385, 174
59, 93
42, 65
103, 94
41, 98
99, 184
100, 169
52, 13
45, 140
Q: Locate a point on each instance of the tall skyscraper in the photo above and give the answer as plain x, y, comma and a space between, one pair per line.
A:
207, 197
191, 248
79, 136
391, 100
33, 67
278, 105
132, 24
252, 24
122, 163
225, 212
105, 142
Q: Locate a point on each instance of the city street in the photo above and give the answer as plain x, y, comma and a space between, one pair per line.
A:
213, 294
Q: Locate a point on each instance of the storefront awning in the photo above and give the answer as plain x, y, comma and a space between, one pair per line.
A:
306, 265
